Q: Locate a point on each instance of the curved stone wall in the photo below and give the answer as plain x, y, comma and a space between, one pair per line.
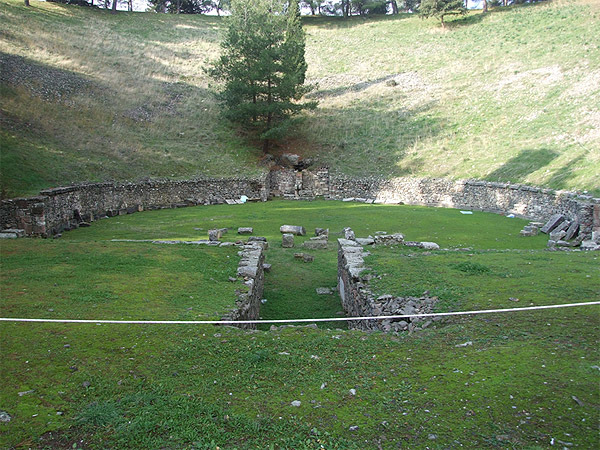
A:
55, 210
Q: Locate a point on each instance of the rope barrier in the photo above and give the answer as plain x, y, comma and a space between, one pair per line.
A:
284, 321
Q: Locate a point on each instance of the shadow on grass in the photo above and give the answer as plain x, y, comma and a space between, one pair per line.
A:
357, 87
338, 136
560, 176
525, 163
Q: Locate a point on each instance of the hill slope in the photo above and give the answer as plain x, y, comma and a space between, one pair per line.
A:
512, 95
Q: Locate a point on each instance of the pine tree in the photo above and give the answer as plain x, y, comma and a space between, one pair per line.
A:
441, 8
263, 67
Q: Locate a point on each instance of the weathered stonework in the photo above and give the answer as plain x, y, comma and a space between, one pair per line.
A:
251, 272
59, 209
65, 208
359, 301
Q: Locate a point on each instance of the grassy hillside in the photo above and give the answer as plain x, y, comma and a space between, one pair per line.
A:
511, 95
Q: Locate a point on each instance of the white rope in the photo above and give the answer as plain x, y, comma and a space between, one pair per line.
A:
331, 319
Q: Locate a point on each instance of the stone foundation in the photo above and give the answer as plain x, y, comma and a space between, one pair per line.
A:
251, 273
359, 301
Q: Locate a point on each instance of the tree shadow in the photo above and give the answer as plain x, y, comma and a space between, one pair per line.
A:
567, 172
342, 90
525, 163
368, 140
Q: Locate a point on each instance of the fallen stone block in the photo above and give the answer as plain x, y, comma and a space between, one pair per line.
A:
308, 258
430, 246
324, 291
322, 232
552, 223
292, 229
245, 230
349, 234
19, 232
214, 235
298, 255
267, 267
315, 244
572, 230
590, 246
287, 240
557, 235
365, 241
4, 235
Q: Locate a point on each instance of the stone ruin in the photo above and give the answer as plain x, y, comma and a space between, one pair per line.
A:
563, 233
359, 301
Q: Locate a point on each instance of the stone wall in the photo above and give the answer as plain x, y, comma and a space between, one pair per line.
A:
299, 184
251, 273
523, 201
65, 208
359, 301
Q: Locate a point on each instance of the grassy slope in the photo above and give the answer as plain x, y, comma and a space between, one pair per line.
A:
511, 95
199, 387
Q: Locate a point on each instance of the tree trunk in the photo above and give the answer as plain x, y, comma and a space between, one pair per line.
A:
266, 146
27, 3
178, 6
394, 7
485, 6
114, 6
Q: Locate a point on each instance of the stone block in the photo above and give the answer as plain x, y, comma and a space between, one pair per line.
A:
245, 230
349, 234
6, 235
430, 246
292, 229
308, 258
557, 235
322, 232
215, 234
267, 267
365, 241
552, 223
287, 240
315, 244
572, 230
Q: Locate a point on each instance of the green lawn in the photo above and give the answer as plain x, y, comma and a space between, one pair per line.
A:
527, 380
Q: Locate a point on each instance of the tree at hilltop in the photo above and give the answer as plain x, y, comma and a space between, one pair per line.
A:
262, 66
442, 8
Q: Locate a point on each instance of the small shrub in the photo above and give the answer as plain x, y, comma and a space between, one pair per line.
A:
471, 268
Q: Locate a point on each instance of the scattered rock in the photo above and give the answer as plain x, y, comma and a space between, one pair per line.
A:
324, 291
67, 346
322, 232
4, 416
296, 403
21, 394
232, 279
432, 437
267, 267
466, 344
308, 258
298, 255
86, 384
353, 428
430, 246
352, 391
245, 230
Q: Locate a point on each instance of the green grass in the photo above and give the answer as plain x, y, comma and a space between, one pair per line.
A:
203, 386
511, 96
